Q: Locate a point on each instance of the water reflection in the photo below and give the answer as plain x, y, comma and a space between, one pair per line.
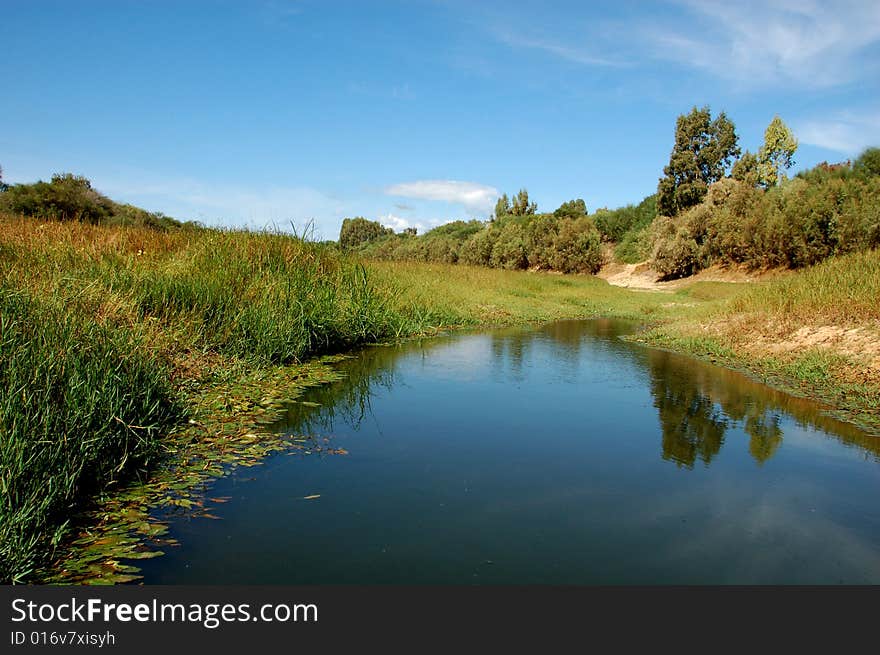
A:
697, 404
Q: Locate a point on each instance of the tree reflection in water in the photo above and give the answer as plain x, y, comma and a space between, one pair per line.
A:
697, 404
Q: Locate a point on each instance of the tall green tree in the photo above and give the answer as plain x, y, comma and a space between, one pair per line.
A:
777, 153
502, 207
521, 205
703, 151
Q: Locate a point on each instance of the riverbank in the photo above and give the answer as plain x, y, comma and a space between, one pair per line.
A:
153, 361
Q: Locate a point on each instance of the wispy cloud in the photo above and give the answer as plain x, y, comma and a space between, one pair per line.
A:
477, 198
847, 132
578, 54
754, 43
231, 205
809, 43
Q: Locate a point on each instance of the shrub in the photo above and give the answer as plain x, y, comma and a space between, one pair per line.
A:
477, 250
66, 197
71, 198
614, 224
356, 231
509, 250
577, 247
867, 164
826, 211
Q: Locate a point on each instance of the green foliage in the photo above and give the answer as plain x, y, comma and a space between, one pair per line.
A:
634, 247
460, 230
745, 169
777, 153
509, 250
867, 164
571, 209
577, 247
72, 198
519, 207
539, 241
701, 155
477, 250
614, 224
676, 252
502, 207
66, 197
357, 231
825, 212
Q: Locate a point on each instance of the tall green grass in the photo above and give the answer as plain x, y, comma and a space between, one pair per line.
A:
81, 406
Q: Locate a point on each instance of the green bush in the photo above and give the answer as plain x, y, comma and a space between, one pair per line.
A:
66, 197
615, 224
357, 231
71, 198
477, 250
676, 253
867, 164
577, 247
801, 222
510, 250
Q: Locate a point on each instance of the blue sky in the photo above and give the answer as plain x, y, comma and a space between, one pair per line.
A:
413, 113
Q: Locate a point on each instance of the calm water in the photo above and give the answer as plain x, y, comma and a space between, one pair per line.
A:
560, 454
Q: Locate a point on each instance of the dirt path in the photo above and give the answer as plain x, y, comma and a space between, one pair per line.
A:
641, 277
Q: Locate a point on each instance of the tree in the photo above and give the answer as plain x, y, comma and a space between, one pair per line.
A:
571, 209
522, 206
701, 155
868, 163
745, 169
502, 207
777, 153
356, 231
3, 185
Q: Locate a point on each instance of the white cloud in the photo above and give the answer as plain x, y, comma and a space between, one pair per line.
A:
847, 132
810, 43
398, 223
477, 198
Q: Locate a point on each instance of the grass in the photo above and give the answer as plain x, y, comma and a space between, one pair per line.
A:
70, 420
484, 296
840, 291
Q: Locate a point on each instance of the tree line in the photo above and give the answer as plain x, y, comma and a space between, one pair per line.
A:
516, 237
715, 204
